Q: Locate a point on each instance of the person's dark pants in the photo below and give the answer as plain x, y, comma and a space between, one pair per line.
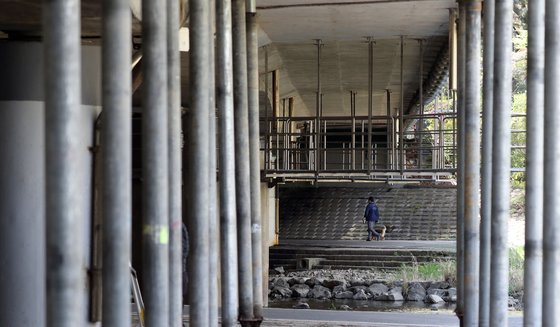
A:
371, 230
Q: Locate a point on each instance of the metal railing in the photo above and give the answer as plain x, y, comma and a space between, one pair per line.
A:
295, 145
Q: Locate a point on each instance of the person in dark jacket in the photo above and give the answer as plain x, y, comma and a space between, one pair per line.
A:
371, 216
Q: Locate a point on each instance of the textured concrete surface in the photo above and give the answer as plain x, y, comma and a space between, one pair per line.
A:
335, 213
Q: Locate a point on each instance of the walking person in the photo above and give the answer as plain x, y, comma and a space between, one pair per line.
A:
372, 217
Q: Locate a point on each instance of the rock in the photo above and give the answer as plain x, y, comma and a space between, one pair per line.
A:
331, 283
280, 270
301, 305
272, 272
311, 282
416, 292
296, 280
436, 291
284, 292
344, 295
377, 289
319, 292
300, 290
358, 282
434, 307
339, 289
360, 295
356, 289
433, 298
439, 285
281, 282
513, 303
394, 294
345, 308
451, 295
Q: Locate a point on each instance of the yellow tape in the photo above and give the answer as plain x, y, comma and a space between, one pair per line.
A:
159, 233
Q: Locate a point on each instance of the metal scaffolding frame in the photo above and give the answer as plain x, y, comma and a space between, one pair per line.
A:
353, 147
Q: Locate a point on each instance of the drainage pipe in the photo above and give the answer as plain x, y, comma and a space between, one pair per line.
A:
551, 302
472, 161
228, 223
242, 162
486, 171
117, 162
501, 163
198, 189
532, 315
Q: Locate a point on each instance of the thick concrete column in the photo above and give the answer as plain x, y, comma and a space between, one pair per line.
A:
22, 172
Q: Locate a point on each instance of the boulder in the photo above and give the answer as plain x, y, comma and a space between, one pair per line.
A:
436, 291
311, 282
416, 292
439, 285
356, 289
360, 295
281, 282
300, 290
451, 295
319, 292
331, 283
377, 289
296, 280
394, 294
284, 292
338, 289
358, 282
433, 298
280, 270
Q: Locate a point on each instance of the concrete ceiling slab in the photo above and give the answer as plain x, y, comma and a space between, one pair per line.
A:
291, 26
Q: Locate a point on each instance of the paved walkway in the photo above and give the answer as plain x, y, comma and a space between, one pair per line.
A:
384, 245
327, 318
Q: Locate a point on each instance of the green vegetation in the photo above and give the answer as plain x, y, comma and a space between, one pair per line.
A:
445, 270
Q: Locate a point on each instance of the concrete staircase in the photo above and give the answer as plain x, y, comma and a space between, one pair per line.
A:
335, 213
351, 258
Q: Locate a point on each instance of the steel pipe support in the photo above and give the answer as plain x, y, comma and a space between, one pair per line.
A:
242, 160
198, 188
501, 163
472, 161
117, 162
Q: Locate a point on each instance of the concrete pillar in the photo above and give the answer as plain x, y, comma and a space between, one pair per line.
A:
22, 176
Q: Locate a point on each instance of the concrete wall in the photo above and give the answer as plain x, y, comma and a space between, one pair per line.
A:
22, 178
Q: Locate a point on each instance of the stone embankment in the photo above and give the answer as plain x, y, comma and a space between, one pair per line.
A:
356, 285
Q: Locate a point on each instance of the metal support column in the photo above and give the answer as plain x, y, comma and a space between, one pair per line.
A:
198, 146
486, 171
533, 287
401, 112
551, 222
389, 130
370, 102
254, 155
353, 115
461, 43
421, 104
117, 162
318, 112
155, 230
501, 163
175, 171
472, 160
65, 256
242, 162
213, 224
228, 223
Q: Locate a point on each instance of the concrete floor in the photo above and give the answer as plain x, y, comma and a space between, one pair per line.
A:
389, 244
